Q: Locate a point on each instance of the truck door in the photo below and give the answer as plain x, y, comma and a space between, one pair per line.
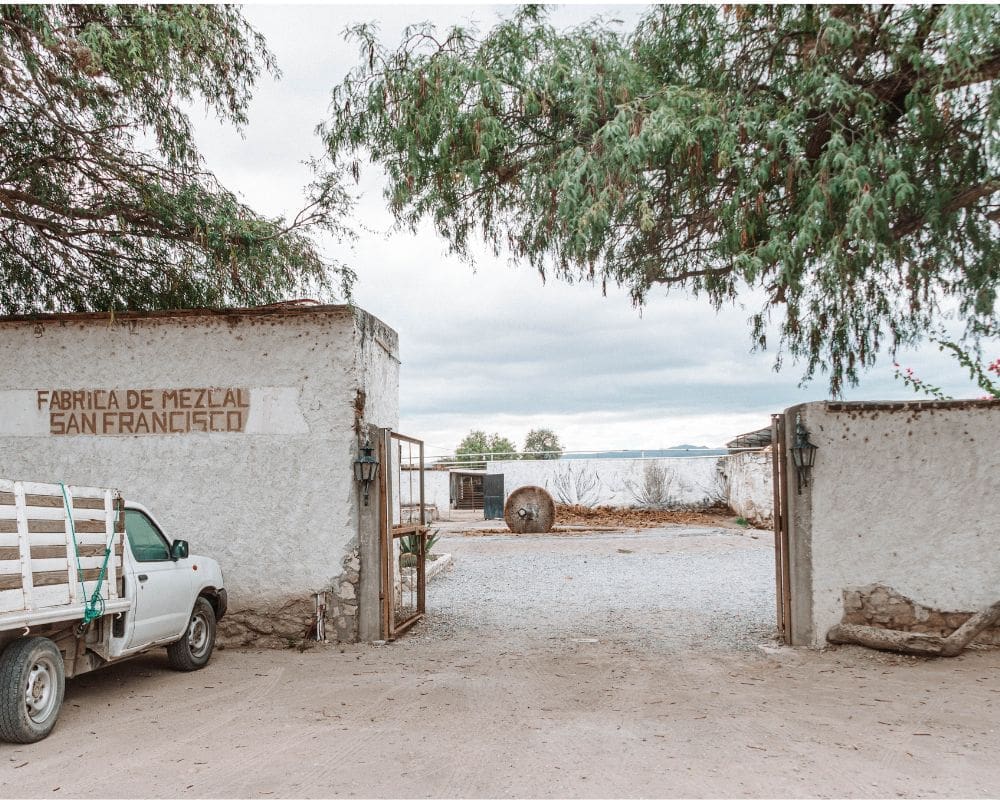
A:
160, 585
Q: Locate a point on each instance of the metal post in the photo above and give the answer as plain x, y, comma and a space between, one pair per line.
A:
778, 523
387, 593
422, 558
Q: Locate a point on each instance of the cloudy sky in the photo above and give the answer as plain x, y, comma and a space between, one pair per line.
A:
494, 348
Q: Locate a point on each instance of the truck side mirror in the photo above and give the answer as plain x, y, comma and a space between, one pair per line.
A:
179, 549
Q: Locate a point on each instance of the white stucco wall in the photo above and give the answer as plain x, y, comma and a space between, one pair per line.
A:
749, 485
901, 494
436, 489
667, 482
276, 504
376, 355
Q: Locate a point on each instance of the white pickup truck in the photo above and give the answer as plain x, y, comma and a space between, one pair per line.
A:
86, 580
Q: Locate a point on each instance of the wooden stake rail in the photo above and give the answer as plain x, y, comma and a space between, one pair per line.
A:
40, 581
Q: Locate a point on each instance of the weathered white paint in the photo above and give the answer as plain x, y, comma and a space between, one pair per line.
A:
21, 416
902, 494
376, 366
749, 485
654, 482
275, 505
276, 411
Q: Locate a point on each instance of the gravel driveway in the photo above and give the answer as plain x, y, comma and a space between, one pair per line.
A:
666, 589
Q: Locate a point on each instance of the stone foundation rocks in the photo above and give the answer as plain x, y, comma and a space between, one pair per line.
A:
883, 607
342, 612
292, 622
269, 624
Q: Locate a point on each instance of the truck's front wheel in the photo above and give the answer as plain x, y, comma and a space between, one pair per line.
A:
32, 685
194, 648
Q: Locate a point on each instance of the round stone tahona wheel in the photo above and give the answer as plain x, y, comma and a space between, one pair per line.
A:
529, 509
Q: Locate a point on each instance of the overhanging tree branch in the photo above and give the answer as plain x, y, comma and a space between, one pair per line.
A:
653, 157
88, 220
963, 200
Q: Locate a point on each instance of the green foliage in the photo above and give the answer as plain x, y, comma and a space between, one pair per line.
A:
104, 200
919, 385
477, 448
409, 549
978, 369
409, 544
541, 443
839, 165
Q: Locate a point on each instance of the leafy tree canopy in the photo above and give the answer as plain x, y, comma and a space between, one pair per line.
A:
478, 447
104, 201
842, 162
541, 443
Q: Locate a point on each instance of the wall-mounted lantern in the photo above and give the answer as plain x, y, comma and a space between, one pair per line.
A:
803, 453
366, 467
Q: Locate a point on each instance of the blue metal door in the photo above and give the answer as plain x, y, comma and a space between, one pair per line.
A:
492, 496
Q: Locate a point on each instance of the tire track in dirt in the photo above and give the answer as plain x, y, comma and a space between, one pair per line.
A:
308, 745
242, 703
895, 752
561, 685
755, 727
455, 777
482, 700
85, 738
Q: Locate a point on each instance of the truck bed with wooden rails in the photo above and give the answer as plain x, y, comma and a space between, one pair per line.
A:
87, 579
52, 552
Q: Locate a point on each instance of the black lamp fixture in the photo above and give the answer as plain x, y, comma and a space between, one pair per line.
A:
366, 467
803, 453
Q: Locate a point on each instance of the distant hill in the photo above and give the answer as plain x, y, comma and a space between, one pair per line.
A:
680, 451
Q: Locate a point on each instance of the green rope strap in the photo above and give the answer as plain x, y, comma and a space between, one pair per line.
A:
94, 607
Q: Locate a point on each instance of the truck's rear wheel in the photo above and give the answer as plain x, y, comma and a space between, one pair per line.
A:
32, 685
194, 648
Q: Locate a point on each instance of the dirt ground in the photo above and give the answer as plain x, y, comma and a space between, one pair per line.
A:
608, 517
493, 704
571, 520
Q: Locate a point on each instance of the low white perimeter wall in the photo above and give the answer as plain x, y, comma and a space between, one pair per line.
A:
627, 483
902, 494
749, 485
743, 482
436, 490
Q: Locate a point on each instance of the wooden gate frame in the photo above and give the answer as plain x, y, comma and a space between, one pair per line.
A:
782, 571
389, 532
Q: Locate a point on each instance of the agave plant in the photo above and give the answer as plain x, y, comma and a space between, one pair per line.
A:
409, 548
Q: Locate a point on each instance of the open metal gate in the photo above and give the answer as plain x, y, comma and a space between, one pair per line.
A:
402, 532
782, 573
